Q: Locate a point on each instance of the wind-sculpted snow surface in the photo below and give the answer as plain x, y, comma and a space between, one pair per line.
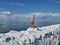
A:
48, 35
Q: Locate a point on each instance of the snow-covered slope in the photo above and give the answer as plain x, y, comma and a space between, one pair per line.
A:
32, 36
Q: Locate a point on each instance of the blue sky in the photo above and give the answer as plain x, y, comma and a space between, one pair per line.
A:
45, 10
28, 6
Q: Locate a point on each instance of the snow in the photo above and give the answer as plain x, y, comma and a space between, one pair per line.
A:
32, 36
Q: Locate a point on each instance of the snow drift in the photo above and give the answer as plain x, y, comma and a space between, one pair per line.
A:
48, 35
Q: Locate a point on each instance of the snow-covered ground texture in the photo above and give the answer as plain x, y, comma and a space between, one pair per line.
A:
48, 35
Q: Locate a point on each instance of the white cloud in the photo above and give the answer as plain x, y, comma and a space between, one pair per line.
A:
37, 14
5, 13
41, 14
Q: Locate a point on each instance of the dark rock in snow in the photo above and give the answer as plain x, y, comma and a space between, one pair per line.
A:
8, 39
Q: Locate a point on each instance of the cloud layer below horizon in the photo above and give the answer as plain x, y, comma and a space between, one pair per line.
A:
8, 16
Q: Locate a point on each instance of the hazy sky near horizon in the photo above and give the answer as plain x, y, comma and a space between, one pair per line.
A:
24, 9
